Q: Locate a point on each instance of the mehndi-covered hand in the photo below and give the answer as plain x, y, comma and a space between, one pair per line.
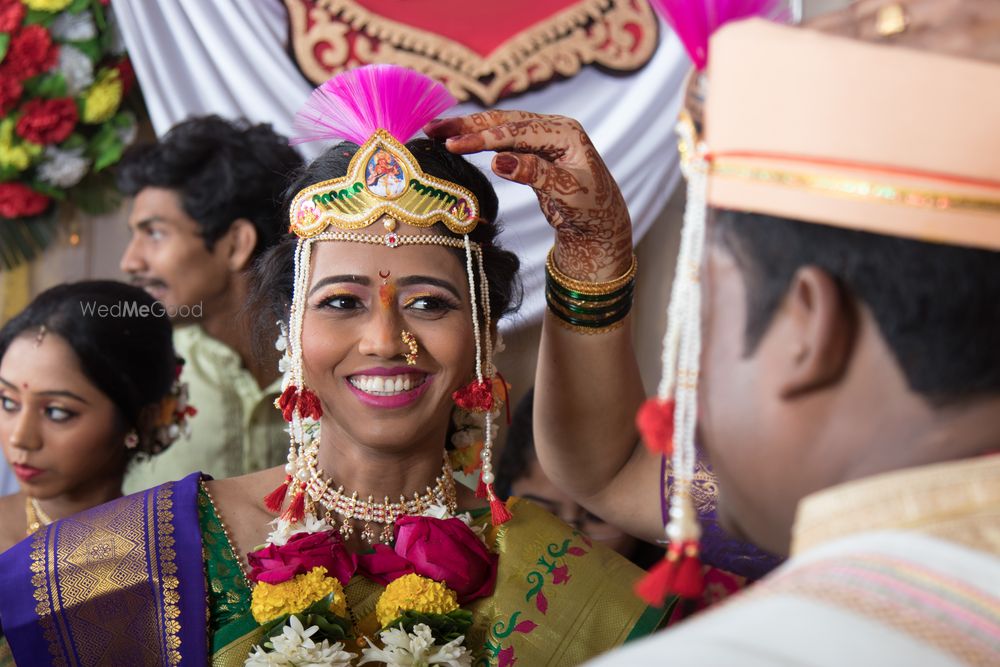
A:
577, 193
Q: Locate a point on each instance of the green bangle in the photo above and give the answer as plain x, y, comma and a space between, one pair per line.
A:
587, 310
580, 296
589, 324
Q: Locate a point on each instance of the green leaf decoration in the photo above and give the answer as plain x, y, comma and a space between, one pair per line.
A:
46, 85
39, 17
444, 627
91, 47
52, 191
4, 44
105, 148
102, 24
22, 240
331, 627
77, 6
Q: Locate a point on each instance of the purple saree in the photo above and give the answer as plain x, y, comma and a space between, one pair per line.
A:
122, 583
718, 549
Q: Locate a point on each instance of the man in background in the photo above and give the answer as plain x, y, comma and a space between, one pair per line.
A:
208, 202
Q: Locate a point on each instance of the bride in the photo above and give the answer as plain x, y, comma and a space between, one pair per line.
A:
363, 548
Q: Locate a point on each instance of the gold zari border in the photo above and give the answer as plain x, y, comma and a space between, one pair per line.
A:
858, 188
102, 559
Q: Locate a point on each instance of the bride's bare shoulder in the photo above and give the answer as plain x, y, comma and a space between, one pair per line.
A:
245, 489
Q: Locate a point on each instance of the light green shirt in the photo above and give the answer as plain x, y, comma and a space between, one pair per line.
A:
237, 429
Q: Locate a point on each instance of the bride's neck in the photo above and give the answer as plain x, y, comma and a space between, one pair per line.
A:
380, 472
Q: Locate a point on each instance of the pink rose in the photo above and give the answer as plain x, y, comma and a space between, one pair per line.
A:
303, 552
384, 565
447, 550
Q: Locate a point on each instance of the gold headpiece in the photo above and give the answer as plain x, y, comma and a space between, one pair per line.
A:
382, 179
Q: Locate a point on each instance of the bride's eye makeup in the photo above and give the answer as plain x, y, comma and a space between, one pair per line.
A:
340, 301
430, 303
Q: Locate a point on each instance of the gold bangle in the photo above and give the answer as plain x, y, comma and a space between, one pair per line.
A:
590, 288
587, 331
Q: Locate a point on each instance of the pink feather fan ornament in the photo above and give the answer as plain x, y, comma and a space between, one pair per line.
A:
694, 21
356, 103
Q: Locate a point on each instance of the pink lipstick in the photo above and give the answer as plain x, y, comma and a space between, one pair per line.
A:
25, 472
376, 387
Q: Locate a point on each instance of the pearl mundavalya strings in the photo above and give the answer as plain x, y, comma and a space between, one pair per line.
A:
668, 422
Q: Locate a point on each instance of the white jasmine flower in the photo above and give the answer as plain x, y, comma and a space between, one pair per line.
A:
284, 364
73, 27
76, 69
63, 168
437, 512
284, 529
416, 649
466, 437
294, 647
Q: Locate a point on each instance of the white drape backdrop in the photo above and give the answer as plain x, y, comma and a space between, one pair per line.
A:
230, 57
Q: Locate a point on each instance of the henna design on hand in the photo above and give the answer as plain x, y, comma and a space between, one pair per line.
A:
575, 190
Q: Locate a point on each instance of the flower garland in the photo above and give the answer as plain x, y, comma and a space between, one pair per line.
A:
63, 75
436, 564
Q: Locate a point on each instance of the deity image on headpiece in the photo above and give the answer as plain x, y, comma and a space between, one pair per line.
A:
384, 176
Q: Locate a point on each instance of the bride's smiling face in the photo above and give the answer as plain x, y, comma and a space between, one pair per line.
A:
360, 300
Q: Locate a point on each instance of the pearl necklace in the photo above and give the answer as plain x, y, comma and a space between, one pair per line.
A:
352, 508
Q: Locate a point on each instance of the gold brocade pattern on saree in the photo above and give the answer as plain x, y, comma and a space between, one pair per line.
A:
106, 587
704, 488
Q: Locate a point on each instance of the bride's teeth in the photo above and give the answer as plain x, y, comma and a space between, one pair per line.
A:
386, 385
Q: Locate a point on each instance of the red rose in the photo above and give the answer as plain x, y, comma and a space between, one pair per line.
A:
10, 91
447, 550
30, 52
303, 552
11, 15
47, 121
18, 201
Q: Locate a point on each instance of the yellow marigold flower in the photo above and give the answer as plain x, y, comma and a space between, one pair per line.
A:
17, 155
101, 100
411, 592
47, 5
290, 597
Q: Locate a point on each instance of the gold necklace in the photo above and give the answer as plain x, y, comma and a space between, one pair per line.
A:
371, 512
36, 516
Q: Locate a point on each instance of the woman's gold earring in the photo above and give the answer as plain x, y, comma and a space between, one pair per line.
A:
411, 342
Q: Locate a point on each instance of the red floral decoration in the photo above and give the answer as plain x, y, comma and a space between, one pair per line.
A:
10, 92
18, 200
303, 552
445, 550
30, 52
11, 14
127, 74
47, 121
